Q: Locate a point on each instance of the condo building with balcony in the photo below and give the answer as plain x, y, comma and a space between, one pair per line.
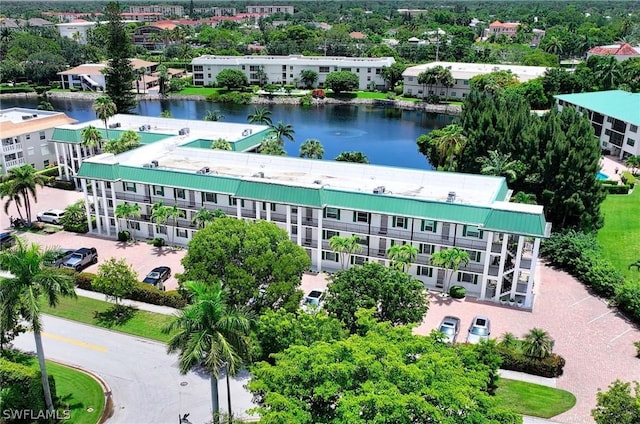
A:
314, 200
24, 136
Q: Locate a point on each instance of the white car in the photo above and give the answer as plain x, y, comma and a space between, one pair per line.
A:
51, 216
313, 300
479, 330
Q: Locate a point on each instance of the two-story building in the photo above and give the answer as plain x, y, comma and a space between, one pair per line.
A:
496, 28
462, 73
24, 136
614, 115
286, 69
266, 10
314, 200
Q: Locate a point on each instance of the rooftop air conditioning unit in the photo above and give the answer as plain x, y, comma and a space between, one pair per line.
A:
318, 182
142, 128
154, 163
259, 174
203, 170
183, 131
451, 197
25, 117
148, 165
379, 190
115, 125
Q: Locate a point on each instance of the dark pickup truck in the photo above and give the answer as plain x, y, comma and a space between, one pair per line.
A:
81, 258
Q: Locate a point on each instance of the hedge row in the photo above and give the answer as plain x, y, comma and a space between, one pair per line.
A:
22, 387
16, 89
617, 189
142, 292
628, 178
551, 366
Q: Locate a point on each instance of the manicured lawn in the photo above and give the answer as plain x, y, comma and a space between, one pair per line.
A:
83, 309
198, 91
79, 391
621, 232
533, 399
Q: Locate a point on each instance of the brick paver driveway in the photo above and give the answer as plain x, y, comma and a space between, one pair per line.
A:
594, 339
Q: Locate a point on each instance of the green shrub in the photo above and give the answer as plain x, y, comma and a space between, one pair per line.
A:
617, 189
550, 367
628, 178
40, 89
149, 294
22, 387
637, 345
398, 90
62, 184
306, 100
609, 182
15, 89
84, 280
51, 171
457, 292
157, 242
235, 97
124, 235
628, 299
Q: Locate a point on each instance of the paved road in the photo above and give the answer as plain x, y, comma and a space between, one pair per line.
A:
146, 384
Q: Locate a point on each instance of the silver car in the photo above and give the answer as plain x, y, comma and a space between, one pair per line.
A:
450, 327
480, 329
52, 216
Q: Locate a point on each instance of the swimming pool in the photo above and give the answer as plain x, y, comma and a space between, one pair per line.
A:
602, 176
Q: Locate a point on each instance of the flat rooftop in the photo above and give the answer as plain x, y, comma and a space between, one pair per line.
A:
17, 121
618, 104
461, 70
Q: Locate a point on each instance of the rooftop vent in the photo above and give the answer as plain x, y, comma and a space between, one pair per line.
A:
259, 174
145, 127
451, 197
496, 68
154, 163
379, 190
203, 170
148, 165
25, 117
183, 131
247, 131
317, 182
115, 125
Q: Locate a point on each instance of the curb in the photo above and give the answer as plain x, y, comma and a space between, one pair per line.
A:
108, 410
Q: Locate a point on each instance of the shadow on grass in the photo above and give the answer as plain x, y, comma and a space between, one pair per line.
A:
115, 316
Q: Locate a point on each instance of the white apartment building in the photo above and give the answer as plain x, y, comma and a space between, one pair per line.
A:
462, 73
269, 10
167, 10
24, 135
314, 200
76, 30
614, 115
286, 69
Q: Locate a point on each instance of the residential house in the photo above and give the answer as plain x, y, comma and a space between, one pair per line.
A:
621, 52
89, 77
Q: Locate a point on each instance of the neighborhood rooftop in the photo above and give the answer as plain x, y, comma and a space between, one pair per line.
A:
467, 71
618, 104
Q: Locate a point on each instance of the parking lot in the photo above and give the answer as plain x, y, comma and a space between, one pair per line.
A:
594, 339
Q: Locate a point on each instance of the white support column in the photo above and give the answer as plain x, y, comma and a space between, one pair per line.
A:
65, 147
528, 300
103, 194
79, 154
516, 269
299, 226
319, 244
87, 207
97, 209
485, 268
268, 211
288, 221
258, 206
238, 209
113, 200
503, 257
55, 146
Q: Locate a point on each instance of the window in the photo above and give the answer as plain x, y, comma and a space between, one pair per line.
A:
129, 186
609, 119
234, 201
180, 232
361, 217
294, 210
46, 163
400, 221
378, 71
471, 231
474, 255
42, 135
324, 69
333, 213
631, 142
465, 82
368, 70
179, 193
108, 184
44, 149
429, 226
426, 271
28, 136
243, 67
330, 256
158, 191
465, 277
368, 78
210, 197
358, 260
358, 70
31, 151
135, 225
272, 207
633, 128
427, 249
327, 234
110, 203
162, 229
453, 94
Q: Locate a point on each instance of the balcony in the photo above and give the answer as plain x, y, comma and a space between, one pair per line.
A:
8, 148
15, 162
132, 197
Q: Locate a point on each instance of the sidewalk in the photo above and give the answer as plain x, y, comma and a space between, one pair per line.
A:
165, 310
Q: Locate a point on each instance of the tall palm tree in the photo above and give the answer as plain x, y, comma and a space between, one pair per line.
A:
524, 198
213, 115
311, 149
105, 108
29, 284
174, 213
450, 142
537, 344
20, 186
143, 73
554, 46
272, 146
345, 247
128, 211
261, 115
202, 217
427, 78
401, 256
163, 77
499, 164
91, 137
220, 144
209, 333
608, 72
280, 131
159, 214
451, 260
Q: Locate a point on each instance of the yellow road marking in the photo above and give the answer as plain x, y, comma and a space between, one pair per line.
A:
75, 342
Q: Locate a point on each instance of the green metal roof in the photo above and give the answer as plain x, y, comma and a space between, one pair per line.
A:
515, 222
250, 142
99, 171
64, 135
178, 179
618, 104
300, 196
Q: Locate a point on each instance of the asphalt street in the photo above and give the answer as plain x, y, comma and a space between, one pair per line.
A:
140, 373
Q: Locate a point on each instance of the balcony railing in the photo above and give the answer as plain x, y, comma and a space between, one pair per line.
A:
15, 162
8, 148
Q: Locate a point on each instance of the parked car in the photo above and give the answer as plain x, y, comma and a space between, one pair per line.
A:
450, 327
480, 329
6, 240
158, 276
81, 258
313, 300
51, 216
55, 258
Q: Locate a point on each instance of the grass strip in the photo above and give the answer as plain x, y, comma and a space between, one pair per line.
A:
533, 399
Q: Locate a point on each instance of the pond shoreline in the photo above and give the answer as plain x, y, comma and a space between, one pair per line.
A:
259, 100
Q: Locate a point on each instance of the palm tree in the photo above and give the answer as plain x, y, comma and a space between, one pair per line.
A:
427, 78
29, 284
537, 344
202, 217
20, 185
128, 211
159, 214
261, 115
499, 164
509, 340
345, 247
308, 77
608, 72
401, 256
450, 142
633, 162
451, 260
91, 137
163, 77
174, 213
105, 108
353, 157
143, 72
311, 149
209, 334
128, 140
524, 198
221, 144
272, 146
281, 131
213, 115
554, 46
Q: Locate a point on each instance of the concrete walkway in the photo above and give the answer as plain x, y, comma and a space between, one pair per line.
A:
165, 310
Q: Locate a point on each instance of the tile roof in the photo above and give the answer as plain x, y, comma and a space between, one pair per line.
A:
12, 129
624, 49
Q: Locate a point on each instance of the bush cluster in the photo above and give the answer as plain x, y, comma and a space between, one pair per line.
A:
22, 386
457, 292
617, 189
551, 366
62, 184
16, 89
628, 179
235, 97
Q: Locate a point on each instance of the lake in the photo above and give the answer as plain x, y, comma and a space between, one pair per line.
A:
387, 136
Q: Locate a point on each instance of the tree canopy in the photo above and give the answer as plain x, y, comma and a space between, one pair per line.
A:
257, 263
119, 74
340, 81
231, 78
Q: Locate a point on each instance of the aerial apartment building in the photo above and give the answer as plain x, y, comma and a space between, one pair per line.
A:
270, 10
314, 200
462, 73
166, 10
24, 135
286, 69
614, 115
